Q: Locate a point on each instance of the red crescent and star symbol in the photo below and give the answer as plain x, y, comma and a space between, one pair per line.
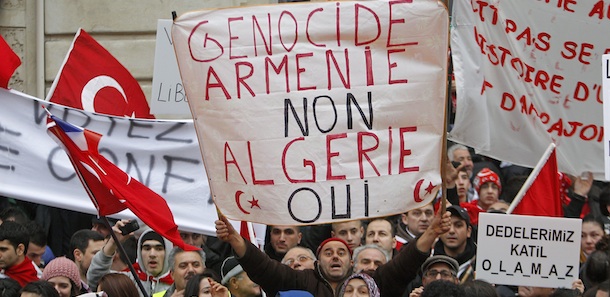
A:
253, 202
417, 189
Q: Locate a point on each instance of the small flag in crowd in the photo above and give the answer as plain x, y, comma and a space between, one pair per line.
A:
92, 79
9, 61
111, 189
543, 197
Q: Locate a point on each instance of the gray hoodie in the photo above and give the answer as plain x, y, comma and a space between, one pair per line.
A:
101, 263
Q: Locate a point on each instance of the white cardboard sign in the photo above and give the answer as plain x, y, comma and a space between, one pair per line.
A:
528, 250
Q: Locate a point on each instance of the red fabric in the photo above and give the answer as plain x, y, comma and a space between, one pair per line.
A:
473, 210
543, 198
9, 61
110, 188
110, 88
23, 272
167, 279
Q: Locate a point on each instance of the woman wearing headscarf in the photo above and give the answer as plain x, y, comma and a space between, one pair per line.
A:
359, 285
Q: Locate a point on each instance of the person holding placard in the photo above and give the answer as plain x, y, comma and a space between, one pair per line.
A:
333, 265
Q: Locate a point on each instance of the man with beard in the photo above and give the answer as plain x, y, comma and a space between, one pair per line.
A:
369, 257
458, 243
334, 263
237, 281
183, 266
152, 266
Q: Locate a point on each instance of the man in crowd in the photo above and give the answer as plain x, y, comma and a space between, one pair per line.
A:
368, 258
38, 243
351, 231
437, 267
299, 258
413, 223
152, 266
334, 263
460, 153
236, 279
14, 264
184, 265
381, 232
84, 244
281, 239
458, 243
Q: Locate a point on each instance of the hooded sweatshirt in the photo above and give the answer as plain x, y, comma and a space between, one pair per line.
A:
100, 265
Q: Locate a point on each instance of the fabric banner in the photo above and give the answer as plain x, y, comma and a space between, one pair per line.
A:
527, 74
163, 155
317, 112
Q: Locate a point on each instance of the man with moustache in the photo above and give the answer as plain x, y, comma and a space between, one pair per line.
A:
334, 263
183, 266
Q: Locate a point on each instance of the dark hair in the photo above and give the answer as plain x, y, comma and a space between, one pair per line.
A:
192, 286
597, 266
442, 288
564, 292
118, 285
9, 287
479, 288
42, 288
15, 233
80, 240
590, 218
37, 234
15, 214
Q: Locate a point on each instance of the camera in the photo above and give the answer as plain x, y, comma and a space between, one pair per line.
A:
129, 227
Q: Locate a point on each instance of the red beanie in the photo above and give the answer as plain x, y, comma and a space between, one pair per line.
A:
486, 175
329, 240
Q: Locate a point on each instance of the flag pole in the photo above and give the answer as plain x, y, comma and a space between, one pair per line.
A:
530, 179
124, 253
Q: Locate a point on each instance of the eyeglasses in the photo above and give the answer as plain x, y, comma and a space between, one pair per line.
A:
445, 274
300, 258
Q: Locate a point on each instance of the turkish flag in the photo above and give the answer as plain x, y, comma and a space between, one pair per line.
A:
92, 79
543, 198
111, 189
9, 61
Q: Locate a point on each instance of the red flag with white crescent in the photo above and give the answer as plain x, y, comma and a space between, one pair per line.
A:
92, 79
110, 188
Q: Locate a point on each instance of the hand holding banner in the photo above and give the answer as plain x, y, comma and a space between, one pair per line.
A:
300, 124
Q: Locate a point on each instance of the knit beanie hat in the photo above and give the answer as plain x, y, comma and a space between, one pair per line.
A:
152, 235
484, 176
329, 240
62, 266
230, 268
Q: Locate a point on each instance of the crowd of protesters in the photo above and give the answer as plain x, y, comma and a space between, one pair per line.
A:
53, 252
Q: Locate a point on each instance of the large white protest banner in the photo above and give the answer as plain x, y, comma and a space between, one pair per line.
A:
317, 112
167, 91
606, 97
527, 74
528, 250
164, 155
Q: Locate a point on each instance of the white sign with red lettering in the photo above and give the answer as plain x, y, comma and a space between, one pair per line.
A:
606, 88
317, 112
527, 74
